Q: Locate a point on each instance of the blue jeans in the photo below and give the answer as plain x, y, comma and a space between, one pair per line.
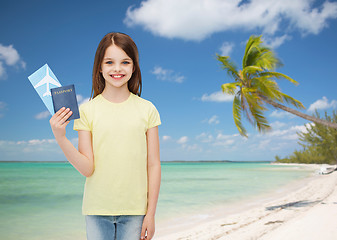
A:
126, 227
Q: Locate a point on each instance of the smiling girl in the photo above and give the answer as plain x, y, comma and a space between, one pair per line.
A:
118, 146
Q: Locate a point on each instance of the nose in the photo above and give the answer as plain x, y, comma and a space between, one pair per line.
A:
117, 68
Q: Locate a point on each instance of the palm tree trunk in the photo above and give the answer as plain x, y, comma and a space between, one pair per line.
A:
297, 113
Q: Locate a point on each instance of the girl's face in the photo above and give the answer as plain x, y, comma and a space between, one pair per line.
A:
117, 67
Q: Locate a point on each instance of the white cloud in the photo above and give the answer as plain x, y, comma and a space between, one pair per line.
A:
277, 125
301, 128
275, 42
42, 115
188, 147
198, 19
289, 133
281, 114
10, 57
213, 120
217, 97
321, 104
19, 149
166, 138
225, 140
2, 70
224, 143
183, 140
2, 107
263, 144
80, 99
205, 138
193, 147
221, 136
220, 140
226, 48
167, 75
38, 141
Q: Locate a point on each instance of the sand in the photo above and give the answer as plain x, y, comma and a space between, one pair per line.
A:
306, 209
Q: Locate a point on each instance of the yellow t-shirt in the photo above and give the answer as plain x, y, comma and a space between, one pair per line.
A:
118, 185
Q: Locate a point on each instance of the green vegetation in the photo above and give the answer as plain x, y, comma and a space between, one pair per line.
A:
319, 144
254, 87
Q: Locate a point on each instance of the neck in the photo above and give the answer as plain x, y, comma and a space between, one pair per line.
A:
116, 95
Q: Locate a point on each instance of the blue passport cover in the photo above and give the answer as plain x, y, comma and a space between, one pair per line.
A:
65, 97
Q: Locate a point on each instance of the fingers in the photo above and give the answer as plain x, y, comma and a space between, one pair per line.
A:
142, 235
58, 122
60, 110
148, 228
66, 123
66, 116
61, 116
150, 234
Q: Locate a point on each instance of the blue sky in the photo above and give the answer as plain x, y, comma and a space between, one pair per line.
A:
177, 42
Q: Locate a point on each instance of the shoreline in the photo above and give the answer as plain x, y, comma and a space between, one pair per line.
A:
254, 217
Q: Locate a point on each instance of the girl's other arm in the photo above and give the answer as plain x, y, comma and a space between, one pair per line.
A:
154, 178
82, 159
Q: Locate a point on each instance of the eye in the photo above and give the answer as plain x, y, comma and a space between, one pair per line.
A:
126, 62
108, 62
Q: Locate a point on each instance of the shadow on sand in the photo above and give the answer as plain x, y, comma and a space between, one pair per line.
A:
297, 204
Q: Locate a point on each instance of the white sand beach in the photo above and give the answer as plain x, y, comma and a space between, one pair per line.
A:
306, 209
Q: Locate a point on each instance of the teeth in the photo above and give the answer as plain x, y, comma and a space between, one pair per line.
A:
117, 76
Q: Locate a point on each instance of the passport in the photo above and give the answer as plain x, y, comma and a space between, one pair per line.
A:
65, 97
43, 80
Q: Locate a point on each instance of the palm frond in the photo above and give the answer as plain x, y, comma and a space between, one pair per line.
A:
260, 120
278, 76
251, 70
267, 87
237, 116
245, 106
257, 54
252, 58
256, 109
252, 98
228, 65
249, 100
292, 101
252, 44
230, 88
267, 59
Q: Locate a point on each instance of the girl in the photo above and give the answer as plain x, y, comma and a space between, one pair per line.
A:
118, 146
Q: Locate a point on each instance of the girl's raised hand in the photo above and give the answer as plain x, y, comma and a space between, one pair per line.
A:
58, 122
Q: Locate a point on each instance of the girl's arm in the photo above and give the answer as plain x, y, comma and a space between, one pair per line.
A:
154, 177
83, 158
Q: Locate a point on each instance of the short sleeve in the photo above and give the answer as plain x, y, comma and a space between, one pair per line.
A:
82, 123
154, 118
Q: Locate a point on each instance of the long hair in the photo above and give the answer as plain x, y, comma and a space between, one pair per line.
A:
126, 43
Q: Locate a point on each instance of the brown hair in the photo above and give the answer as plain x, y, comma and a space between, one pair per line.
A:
126, 43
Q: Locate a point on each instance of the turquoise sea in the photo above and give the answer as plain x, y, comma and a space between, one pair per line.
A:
43, 200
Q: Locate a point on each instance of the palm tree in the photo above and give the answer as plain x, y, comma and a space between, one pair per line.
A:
254, 87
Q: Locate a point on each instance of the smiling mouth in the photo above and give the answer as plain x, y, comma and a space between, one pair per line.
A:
117, 76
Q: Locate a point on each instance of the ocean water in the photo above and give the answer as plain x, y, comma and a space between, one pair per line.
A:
43, 200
